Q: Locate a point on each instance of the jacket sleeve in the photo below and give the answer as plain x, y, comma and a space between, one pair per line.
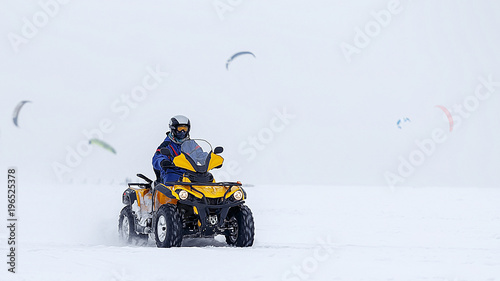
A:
158, 157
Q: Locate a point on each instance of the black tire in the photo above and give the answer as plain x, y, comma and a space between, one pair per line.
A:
126, 228
243, 231
168, 227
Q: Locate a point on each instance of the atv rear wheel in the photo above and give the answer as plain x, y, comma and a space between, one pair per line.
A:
126, 228
241, 222
168, 227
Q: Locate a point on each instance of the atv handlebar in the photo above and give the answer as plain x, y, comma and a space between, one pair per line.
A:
145, 178
203, 184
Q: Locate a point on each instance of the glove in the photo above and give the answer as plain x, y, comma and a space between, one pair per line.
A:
166, 163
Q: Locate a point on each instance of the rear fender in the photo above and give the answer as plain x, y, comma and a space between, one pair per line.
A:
129, 196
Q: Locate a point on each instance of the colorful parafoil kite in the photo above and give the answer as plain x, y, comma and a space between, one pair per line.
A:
15, 115
237, 55
103, 145
406, 119
448, 114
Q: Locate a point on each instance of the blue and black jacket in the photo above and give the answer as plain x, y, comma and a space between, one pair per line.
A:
169, 174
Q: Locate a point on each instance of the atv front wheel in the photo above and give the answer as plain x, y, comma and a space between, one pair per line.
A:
242, 227
126, 228
168, 227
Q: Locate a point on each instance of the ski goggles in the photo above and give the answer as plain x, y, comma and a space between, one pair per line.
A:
181, 128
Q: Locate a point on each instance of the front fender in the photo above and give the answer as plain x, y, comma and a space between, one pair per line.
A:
165, 191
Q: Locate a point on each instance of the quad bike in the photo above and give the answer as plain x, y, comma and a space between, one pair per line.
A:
195, 206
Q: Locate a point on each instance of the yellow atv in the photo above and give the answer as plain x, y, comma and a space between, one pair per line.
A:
195, 206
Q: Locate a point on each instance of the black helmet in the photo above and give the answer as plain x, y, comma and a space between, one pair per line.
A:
179, 127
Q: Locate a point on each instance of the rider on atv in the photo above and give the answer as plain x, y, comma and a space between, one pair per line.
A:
185, 201
162, 164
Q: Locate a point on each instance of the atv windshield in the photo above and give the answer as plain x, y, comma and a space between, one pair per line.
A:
197, 150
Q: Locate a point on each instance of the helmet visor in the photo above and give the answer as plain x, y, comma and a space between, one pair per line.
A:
182, 128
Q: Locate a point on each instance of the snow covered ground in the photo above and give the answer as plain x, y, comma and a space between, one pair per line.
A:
302, 233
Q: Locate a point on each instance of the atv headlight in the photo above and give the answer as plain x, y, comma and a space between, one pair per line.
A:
183, 195
238, 195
